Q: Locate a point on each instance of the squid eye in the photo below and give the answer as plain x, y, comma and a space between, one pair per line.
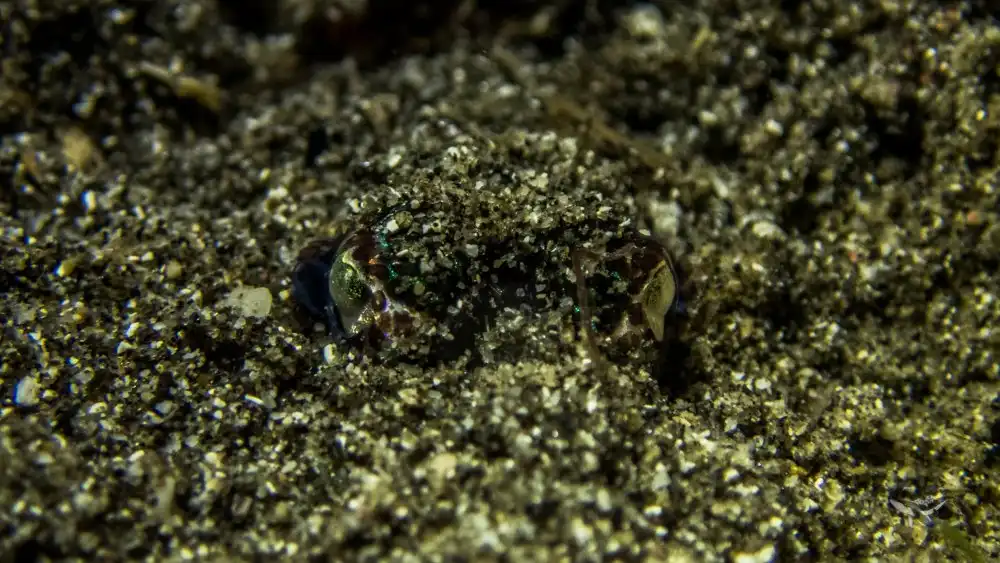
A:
657, 296
350, 293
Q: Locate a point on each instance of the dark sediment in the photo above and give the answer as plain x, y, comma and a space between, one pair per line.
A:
825, 175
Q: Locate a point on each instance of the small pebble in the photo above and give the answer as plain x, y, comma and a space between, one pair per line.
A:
26, 392
250, 301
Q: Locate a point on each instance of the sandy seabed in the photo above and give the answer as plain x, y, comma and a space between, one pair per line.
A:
824, 173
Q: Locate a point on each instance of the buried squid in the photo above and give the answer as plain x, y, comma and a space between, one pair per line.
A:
403, 284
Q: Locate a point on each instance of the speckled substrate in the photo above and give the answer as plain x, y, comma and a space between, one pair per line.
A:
828, 182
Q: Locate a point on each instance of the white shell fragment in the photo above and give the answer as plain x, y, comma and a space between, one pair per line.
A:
26, 392
250, 301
